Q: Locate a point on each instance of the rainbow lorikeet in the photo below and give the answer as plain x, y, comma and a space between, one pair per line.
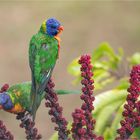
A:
16, 99
43, 53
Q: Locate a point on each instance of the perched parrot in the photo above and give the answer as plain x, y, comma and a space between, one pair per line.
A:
16, 99
43, 53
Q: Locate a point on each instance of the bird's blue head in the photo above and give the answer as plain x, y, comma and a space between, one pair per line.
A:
52, 27
5, 101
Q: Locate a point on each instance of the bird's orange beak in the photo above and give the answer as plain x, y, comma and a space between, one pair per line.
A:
61, 28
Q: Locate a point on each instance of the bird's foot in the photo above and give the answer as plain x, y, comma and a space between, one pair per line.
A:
26, 117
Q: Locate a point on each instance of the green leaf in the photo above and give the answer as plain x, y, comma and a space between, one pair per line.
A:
137, 132
111, 59
105, 105
101, 78
99, 65
62, 92
123, 84
107, 98
134, 59
74, 67
100, 73
106, 134
105, 115
103, 49
104, 60
116, 122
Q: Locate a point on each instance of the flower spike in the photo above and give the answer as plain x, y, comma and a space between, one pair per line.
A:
131, 111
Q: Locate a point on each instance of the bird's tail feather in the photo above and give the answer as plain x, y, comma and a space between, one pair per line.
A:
35, 105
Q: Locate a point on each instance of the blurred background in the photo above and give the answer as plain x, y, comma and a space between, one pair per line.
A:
86, 24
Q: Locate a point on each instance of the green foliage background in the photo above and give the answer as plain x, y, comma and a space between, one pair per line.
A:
108, 67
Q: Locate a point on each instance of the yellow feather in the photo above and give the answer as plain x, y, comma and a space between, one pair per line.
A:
16, 109
18, 93
44, 26
12, 98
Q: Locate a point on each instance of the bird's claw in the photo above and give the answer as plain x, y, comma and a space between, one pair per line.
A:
26, 117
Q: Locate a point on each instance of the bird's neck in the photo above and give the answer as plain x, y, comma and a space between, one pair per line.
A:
54, 37
51, 37
44, 33
42, 30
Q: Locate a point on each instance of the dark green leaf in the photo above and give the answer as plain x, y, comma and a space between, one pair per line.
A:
62, 92
137, 132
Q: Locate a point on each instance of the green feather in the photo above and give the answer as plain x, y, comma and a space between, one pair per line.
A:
43, 53
24, 98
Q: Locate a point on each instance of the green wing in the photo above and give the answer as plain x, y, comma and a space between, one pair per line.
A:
43, 53
20, 93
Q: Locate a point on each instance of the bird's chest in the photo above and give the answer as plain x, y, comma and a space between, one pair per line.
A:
48, 54
48, 48
16, 109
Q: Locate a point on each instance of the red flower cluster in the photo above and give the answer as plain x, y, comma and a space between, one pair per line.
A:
131, 111
56, 111
4, 88
30, 130
83, 125
4, 134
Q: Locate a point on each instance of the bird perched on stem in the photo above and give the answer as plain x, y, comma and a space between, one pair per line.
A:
43, 53
15, 99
